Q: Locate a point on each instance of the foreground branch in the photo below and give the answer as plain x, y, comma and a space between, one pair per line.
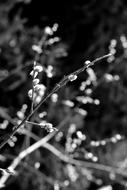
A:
62, 83
62, 156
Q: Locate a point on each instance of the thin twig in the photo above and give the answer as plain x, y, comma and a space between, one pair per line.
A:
30, 149
90, 165
62, 83
61, 156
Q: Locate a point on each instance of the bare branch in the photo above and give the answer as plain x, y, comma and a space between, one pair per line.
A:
62, 83
61, 156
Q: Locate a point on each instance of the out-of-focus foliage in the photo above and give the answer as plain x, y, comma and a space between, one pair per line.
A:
95, 103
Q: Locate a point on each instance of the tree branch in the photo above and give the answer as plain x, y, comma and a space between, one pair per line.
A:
62, 83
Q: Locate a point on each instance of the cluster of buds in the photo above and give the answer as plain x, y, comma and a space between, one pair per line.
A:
42, 114
69, 140
54, 97
110, 78
36, 70
4, 124
52, 41
68, 103
91, 80
48, 31
91, 76
84, 84
73, 143
48, 127
12, 141
87, 99
90, 156
104, 142
38, 90
20, 116
112, 50
123, 40
85, 155
59, 136
72, 173
49, 71
81, 111
37, 48
21, 113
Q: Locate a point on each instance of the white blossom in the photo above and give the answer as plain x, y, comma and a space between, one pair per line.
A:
39, 87
49, 71
48, 30
36, 81
30, 93
54, 97
55, 27
87, 62
72, 77
68, 103
37, 49
38, 68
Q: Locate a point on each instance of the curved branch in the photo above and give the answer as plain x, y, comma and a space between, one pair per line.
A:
62, 83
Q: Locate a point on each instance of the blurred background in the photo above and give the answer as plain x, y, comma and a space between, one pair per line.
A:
90, 111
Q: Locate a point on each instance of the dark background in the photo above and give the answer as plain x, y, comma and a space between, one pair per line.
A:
86, 29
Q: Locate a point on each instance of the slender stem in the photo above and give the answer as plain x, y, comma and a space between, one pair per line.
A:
62, 83
33, 123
